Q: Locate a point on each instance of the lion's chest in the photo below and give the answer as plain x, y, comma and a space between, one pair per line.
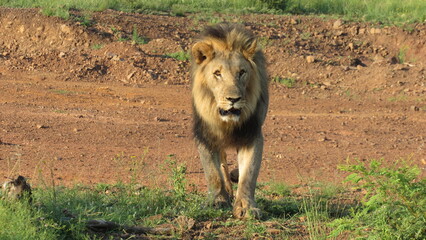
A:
227, 135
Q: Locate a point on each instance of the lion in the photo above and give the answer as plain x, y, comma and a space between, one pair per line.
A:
230, 101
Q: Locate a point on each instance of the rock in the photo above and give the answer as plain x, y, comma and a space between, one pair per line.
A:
310, 59
21, 29
339, 33
40, 126
351, 46
414, 108
65, 29
337, 24
375, 30
356, 62
61, 54
327, 84
16, 189
273, 231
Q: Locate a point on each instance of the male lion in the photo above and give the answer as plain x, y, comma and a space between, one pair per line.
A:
230, 101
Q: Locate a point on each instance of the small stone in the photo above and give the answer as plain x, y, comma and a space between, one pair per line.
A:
65, 29
414, 108
115, 58
375, 30
310, 59
337, 24
273, 231
323, 139
351, 46
61, 54
328, 84
40, 126
339, 33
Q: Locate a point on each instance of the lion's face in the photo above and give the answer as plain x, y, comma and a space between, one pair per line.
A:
227, 77
227, 81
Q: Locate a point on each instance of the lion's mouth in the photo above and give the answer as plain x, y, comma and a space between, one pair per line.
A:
232, 111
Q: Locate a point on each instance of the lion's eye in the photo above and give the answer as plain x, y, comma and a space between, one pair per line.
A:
242, 72
217, 73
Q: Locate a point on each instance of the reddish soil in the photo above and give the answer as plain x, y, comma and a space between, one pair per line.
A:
76, 103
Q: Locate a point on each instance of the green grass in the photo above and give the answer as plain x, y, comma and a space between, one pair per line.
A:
180, 56
394, 204
97, 46
402, 54
393, 207
62, 91
136, 39
288, 82
386, 11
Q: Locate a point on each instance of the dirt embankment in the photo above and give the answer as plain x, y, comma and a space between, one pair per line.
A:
80, 98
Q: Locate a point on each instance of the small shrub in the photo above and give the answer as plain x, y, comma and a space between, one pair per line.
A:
288, 82
57, 12
85, 21
178, 177
97, 46
394, 206
402, 54
136, 39
181, 56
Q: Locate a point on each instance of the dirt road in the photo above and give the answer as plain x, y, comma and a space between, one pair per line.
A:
80, 105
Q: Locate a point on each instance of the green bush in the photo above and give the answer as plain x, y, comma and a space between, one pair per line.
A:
180, 56
394, 205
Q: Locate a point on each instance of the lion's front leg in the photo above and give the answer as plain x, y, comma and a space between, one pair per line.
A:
249, 160
214, 172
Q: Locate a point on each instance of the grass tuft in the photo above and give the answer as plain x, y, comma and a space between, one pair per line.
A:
288, 82
180, 56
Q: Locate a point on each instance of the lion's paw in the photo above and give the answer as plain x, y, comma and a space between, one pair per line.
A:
245, 209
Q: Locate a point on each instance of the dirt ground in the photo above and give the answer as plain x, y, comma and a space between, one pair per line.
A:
80, 102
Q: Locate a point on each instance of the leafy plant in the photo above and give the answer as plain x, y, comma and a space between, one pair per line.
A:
402, 54
97, 46
181, 56
56, 11
394, 205
178, 177
288, 82
85, 20
136, 39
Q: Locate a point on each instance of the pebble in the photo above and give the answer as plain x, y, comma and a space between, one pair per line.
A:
310, 59
40, 126
414, 108
337, 24
351, 46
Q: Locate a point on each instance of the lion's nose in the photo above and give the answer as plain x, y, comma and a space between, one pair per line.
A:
233, 100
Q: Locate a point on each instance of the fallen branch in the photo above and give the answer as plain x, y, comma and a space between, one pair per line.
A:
105, 226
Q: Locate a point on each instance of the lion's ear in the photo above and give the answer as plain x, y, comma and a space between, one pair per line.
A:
201, 52
250, 49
